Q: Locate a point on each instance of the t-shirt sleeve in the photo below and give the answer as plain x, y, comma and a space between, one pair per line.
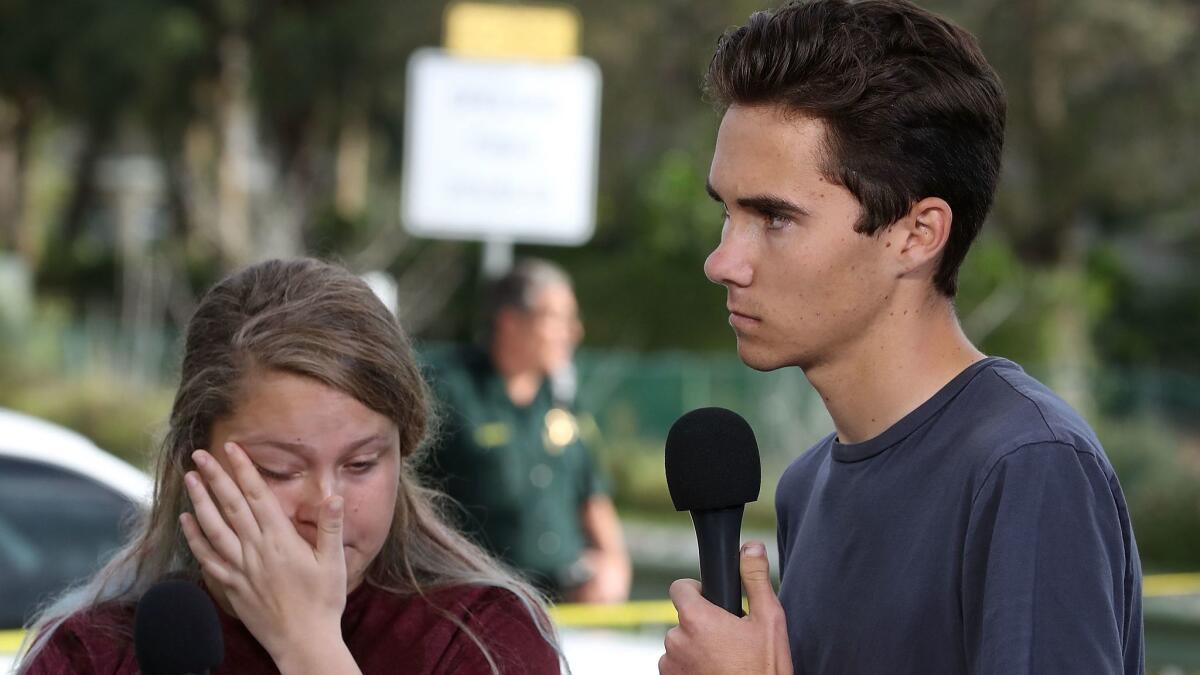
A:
1044, 572
501, 622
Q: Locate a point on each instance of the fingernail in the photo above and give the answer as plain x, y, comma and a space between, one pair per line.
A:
754, 549
199, 458
335, 506
232, 449
191, 479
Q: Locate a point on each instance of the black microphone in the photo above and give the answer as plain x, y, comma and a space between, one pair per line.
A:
176, 630
713, 471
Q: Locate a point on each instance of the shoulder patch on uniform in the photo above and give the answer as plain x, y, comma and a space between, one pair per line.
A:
492, 434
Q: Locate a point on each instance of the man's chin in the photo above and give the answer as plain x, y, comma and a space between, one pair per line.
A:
758, 358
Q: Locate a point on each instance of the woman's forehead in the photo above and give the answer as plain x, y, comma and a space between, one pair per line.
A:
293, 410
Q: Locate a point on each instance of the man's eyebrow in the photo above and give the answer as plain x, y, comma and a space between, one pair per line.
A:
305, 449
762, 203
772, 204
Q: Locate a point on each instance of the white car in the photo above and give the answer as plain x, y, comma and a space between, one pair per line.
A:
63, 503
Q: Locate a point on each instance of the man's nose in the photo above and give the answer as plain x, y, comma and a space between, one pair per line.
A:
729, 263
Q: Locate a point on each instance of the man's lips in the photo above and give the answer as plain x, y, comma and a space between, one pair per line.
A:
740, 320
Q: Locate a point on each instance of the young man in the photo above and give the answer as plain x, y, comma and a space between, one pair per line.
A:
962, 518
510, 449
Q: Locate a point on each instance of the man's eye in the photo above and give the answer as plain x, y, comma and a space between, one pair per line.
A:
776, 221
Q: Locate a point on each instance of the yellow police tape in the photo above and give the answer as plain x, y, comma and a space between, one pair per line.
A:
662, 612
10, 641
651, 612
1162, 585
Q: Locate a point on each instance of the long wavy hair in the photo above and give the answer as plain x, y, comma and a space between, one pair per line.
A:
317, 320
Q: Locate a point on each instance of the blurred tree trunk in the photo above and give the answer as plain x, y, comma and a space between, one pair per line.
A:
83, 182
1053, 240
197, 186
353, 164
15, 126
235, 164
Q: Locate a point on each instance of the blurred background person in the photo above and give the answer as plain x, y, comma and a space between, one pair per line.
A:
510, 450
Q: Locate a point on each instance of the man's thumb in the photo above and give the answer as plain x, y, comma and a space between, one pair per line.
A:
756, 576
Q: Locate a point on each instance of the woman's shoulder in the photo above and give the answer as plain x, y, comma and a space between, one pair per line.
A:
514, 629
98, 639
469, 603
493, 623
477, 597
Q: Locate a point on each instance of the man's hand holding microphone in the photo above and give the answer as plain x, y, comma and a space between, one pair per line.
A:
713, 470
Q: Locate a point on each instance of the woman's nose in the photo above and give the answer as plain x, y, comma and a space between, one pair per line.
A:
317, 487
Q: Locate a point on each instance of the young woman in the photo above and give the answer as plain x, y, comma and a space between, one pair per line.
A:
286, 487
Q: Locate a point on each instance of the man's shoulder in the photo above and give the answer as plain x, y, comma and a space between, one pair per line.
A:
1006, 409
1026, 410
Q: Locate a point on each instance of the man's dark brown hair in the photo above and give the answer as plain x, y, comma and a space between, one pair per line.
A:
911, 107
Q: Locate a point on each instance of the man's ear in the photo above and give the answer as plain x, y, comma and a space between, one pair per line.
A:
920, 236
504, 320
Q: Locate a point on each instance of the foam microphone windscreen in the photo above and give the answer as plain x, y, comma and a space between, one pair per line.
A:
712, 461
176, 630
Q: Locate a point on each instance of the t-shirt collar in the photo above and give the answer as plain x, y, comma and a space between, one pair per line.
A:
855, 452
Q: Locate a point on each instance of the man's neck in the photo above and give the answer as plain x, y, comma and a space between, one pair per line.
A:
891, 371
521, 380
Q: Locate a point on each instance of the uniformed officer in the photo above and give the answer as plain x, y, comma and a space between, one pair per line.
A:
511, 449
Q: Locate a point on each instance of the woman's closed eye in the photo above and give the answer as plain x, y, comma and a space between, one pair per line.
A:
276, 475
362, 466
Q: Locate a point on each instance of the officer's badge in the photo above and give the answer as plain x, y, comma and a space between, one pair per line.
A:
561, 430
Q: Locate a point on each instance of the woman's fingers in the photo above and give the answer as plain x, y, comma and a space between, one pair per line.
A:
329, 534
261, 501
223, 539
210, 561
229, 497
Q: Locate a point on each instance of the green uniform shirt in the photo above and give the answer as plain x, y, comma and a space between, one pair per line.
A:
522, 474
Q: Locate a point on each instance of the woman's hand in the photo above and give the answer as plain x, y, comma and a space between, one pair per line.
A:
289, 593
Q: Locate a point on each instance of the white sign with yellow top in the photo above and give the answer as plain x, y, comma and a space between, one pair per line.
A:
501, 135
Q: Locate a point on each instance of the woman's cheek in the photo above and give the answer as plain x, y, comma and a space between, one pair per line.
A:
287, 498
375, 510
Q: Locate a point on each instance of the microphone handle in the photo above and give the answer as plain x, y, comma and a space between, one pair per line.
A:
717, 535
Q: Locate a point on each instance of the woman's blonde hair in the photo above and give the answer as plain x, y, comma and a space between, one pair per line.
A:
317, 320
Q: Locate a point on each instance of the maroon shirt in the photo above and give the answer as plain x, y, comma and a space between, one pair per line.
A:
385, 633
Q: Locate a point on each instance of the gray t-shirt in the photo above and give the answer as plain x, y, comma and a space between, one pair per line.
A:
983, 533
